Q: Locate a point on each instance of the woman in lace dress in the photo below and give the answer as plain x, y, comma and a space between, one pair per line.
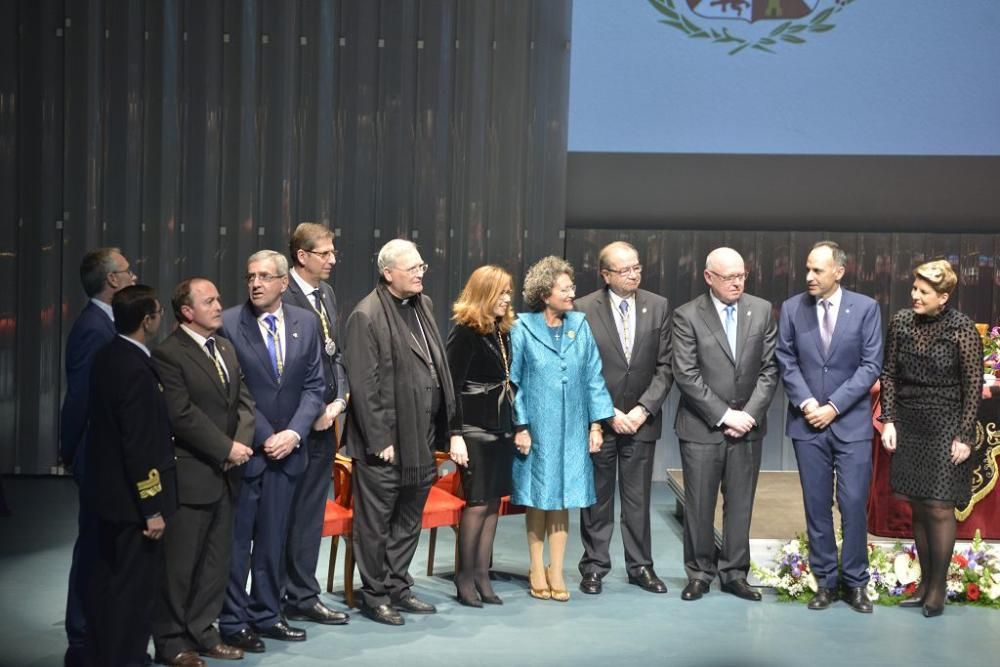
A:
931, 383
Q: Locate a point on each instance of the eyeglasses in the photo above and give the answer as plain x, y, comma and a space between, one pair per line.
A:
128, 271
566, 290
414, 270
263, 277
637, 269
325, 255
732, 277
155, 313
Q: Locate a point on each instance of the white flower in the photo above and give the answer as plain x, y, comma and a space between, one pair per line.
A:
993, 592
906, 569
791, 548
955, 586
871, 591
810, 581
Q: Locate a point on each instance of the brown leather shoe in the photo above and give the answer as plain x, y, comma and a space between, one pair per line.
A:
185, 659
223, 652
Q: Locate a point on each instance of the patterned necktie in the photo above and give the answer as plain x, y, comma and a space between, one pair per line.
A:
731, 328
210, 346
274, 344
626, 337
826, 326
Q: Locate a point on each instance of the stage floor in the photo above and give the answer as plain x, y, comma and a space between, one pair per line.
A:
624, 625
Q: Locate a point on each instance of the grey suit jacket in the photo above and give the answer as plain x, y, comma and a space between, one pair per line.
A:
710, 379
206, 416
646, 378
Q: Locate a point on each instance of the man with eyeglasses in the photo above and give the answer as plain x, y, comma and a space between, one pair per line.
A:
103, 273
131, 482
279, 349
313, 258
632, 329
724, 367
402, 401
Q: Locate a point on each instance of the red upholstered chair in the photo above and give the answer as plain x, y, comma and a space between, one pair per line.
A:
444, 506
337, 522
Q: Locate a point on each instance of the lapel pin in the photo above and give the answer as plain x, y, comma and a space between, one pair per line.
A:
643, 310
847, 312
295, 334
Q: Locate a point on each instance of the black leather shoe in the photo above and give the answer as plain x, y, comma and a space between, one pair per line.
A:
384, 613
824, 598
283, 632
741, 589
411, 604
647, 580
931, 612
915, 600
318, 613
858, 599
245, 639
591, 584
694, 590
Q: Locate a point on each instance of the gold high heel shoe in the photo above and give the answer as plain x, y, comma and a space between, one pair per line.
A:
539, 593
558, 594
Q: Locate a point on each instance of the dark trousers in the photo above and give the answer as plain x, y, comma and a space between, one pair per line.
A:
734, 467
631, 461
387, 518
124, 587
260, 527
301, 590
80, 573
818, 460
196, 547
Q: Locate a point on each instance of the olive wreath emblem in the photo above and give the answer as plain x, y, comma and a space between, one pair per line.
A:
789, 32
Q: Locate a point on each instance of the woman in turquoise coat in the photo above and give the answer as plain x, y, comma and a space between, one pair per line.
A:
560, 403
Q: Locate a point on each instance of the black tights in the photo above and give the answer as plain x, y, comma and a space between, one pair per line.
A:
475, 548
934, 535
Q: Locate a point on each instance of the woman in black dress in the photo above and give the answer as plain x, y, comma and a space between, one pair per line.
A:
931, 387
479, 358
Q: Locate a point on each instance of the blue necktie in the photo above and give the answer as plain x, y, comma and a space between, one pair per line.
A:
626, 342
272, 344
731, 328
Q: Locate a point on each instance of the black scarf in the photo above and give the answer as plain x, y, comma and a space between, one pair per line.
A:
413, 456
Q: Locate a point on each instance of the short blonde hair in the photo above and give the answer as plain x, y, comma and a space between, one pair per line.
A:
474, 307
541, 278
938, 274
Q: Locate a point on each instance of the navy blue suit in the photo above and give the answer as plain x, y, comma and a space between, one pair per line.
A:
301, 590
262, 509
843, 376
92, 330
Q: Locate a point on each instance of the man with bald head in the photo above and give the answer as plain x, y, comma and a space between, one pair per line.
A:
830, 354
724, 367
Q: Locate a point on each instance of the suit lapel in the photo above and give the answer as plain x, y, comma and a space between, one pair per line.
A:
535, 325
843, 321
607, 321
641, 313
200, 359
744, 322
711, 319
250, 330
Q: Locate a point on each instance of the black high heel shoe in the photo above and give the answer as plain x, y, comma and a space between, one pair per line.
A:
492, 598
915, 600
467, 600
931, 612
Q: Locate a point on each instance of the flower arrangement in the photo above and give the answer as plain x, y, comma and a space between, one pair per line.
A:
991, 349
973, 575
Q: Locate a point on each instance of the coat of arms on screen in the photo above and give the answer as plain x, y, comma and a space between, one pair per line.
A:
759, 25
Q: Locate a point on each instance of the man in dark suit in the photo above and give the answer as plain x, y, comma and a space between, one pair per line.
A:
632, 330
279, 351
725, 369
212, 416
131, 483
313, 256
830, 354
401, 403
103, 272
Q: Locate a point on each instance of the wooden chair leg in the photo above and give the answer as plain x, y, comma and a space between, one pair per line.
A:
349, 572
430, 552
333, 562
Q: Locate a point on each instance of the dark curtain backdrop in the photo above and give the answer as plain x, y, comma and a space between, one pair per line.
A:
193, 132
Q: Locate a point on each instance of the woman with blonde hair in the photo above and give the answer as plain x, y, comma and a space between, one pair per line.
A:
560, 403
479, 357
931, 387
